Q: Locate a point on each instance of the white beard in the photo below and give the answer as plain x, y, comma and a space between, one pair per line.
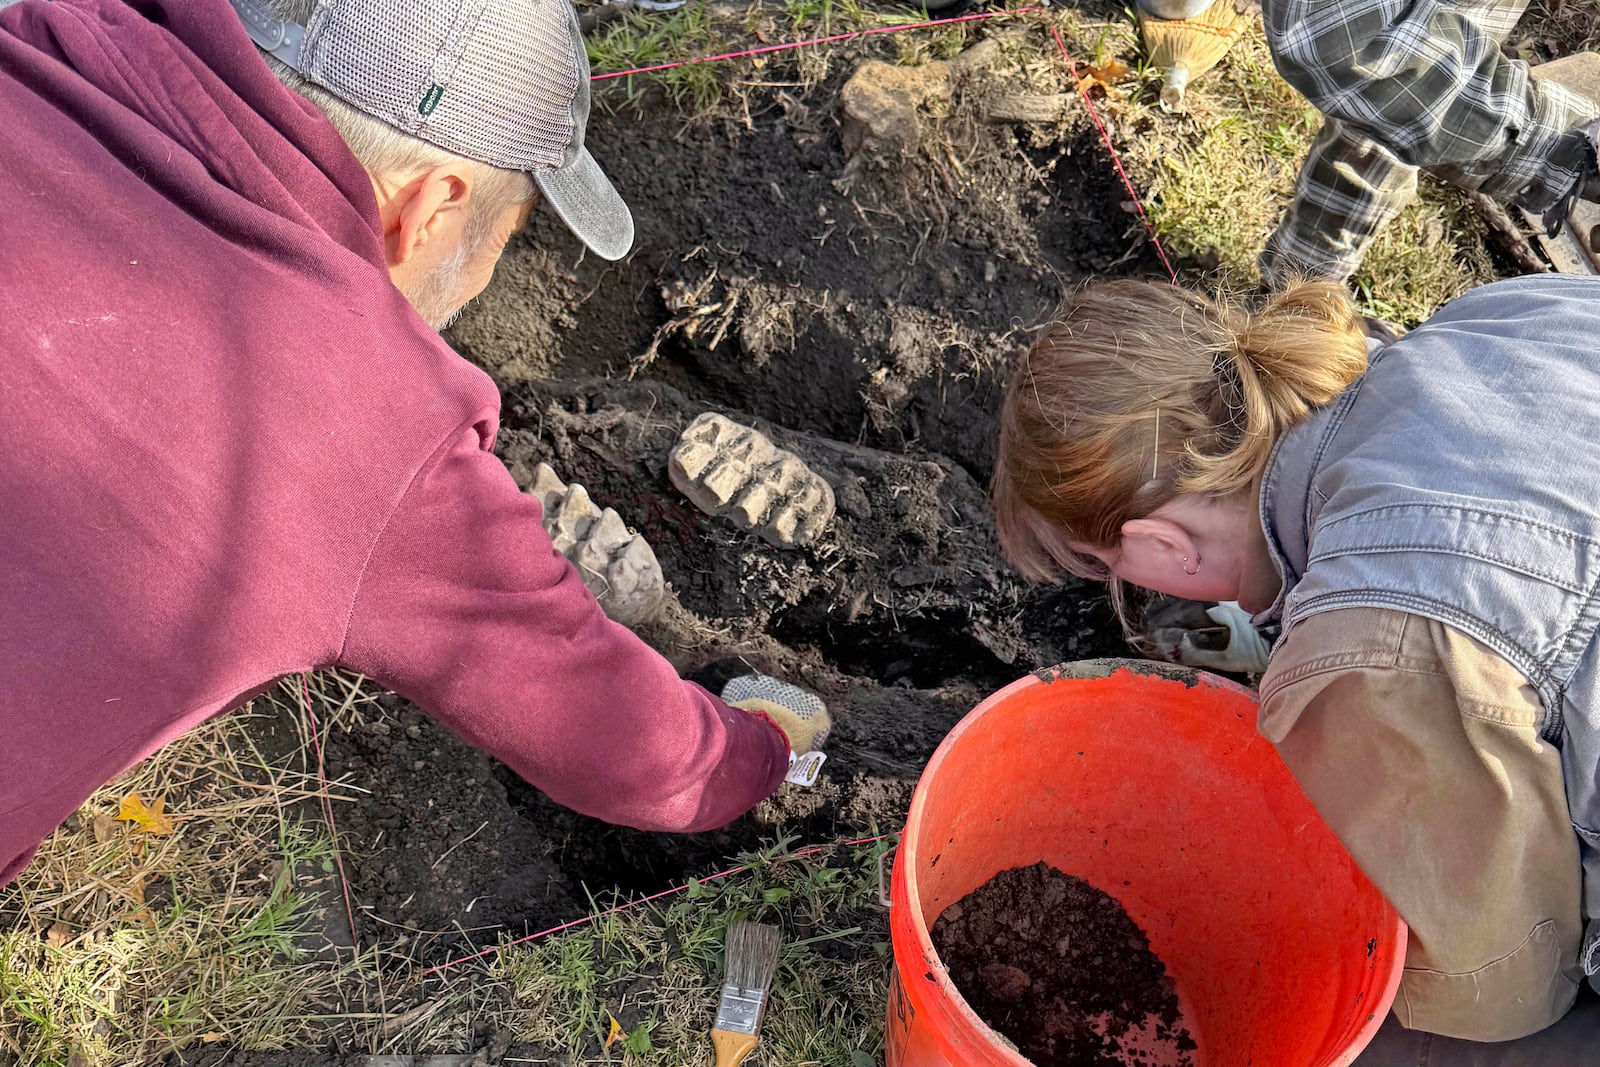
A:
437, 296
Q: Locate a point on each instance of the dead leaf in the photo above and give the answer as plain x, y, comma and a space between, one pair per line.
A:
213, 1036
58, 935
135, 890
1105, 76
149, 819
104, 827
616, 1034
1112, 72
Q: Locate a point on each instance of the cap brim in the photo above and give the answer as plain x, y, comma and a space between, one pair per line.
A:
586, 201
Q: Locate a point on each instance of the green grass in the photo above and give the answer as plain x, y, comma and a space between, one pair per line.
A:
1224, 174
658, 969
641, 39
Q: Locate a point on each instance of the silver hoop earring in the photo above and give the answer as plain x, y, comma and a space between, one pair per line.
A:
1186, 569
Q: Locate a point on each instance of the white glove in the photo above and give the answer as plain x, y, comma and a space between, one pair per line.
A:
1220, 637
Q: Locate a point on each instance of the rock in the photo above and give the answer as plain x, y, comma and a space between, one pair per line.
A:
735, 472
881, 105
1004, 981
1578, 73
617, 564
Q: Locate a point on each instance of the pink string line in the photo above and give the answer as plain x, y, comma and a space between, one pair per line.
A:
492, 949
815, 40
1094, 113
327, 813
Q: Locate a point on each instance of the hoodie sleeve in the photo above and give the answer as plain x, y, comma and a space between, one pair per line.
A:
467, 610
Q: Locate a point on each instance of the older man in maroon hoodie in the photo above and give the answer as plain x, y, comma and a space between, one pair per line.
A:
232, 444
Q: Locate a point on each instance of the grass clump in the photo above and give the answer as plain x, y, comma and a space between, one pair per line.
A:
119, 947
658, 969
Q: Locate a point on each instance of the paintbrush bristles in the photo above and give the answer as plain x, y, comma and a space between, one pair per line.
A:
752, 955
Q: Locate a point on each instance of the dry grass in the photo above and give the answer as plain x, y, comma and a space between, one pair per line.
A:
657, 970
1557, 28
117, 946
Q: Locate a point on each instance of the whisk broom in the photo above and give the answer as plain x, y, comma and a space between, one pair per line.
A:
1188, 48
751, 961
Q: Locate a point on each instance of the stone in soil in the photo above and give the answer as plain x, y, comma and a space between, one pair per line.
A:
1059, 968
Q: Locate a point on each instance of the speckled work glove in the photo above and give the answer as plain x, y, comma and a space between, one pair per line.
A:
802, 717
1214, 637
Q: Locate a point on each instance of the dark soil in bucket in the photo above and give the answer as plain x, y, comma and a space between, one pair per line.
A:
1060, 969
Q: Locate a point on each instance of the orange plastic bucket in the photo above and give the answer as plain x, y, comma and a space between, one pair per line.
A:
1151, 783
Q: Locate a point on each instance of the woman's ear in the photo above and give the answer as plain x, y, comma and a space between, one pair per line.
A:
1157, 538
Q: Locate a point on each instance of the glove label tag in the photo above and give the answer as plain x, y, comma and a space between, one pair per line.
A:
803, 770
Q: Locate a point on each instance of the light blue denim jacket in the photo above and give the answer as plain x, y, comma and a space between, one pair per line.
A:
1459, 480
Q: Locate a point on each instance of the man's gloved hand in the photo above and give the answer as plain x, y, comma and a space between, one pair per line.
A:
801, 716
1216, 637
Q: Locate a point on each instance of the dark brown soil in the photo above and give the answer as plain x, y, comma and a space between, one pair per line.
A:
1057, 966
867, 313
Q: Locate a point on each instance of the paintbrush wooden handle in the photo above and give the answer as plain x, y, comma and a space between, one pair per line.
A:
732, 1047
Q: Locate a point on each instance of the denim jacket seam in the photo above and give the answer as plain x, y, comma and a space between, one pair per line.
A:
1535, 524
1336, 417
1480, 557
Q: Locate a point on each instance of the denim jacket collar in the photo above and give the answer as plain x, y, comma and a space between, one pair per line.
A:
1288, 502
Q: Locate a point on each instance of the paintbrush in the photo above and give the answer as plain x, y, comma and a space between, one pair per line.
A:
1190, 47
752, 959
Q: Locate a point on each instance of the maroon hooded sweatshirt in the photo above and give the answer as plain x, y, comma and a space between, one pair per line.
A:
230, 450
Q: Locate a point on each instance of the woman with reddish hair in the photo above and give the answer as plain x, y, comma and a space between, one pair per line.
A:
1424, 526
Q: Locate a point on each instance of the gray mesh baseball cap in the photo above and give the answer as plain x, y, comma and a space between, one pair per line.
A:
504, 82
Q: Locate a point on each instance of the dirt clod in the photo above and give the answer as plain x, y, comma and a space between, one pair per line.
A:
1060, 969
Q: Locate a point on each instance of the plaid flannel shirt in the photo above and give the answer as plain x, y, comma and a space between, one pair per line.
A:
1407, 84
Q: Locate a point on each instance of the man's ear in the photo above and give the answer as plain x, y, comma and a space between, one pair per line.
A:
430, 207
1159, 536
